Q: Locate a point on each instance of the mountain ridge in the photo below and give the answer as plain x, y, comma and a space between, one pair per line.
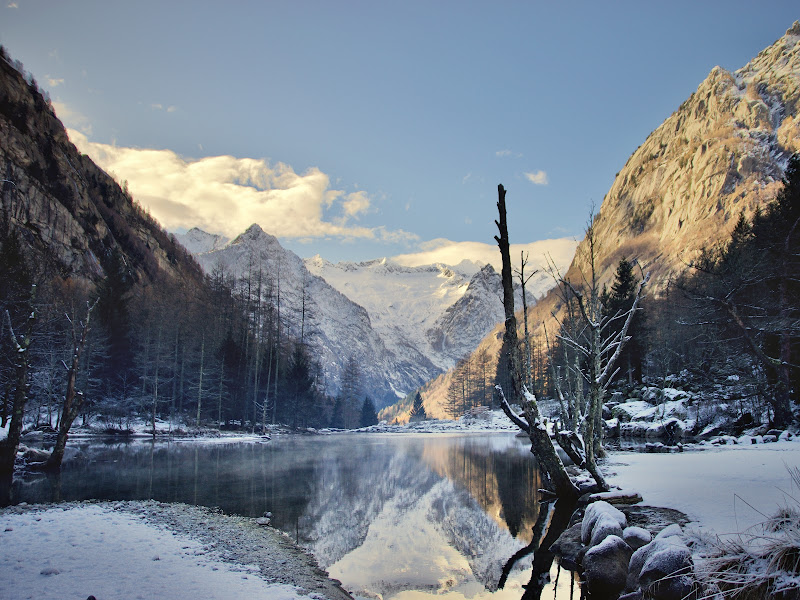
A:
405, 325
720, 154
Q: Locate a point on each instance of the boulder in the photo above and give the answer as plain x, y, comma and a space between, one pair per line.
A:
568, 547
666, 575
594, 511
636, 537
669, 531
604, 526
670, 545
605, 567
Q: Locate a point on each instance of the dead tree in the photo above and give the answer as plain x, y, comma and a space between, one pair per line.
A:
523, 280
9, 446
600, 351
531, 421
73, 399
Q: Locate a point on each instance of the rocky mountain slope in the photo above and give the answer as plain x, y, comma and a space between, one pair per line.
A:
723, 152
440, 310
402, 325
66, 210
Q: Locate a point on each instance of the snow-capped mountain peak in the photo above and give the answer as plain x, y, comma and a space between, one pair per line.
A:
198, 241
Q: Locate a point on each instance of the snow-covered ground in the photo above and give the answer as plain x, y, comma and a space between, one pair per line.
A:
727, 489
126, 550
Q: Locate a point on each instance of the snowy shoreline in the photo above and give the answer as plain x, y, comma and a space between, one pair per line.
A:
149, 549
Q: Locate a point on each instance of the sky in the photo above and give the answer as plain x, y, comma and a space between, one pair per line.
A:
358, 130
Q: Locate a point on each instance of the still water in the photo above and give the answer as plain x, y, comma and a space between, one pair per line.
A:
388, 515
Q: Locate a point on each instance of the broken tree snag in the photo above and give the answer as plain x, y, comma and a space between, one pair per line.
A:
541, 446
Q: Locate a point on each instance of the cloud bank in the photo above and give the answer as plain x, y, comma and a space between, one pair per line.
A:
224, 194
451, 253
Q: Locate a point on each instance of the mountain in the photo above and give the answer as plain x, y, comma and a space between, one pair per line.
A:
402, 325
335, 328
439, 310
723, 152
198, 241
67, 211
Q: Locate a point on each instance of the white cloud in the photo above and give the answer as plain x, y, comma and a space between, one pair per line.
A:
356, 203
502, 153
54, 82
451, 253
13, 5
537, 178
224, 194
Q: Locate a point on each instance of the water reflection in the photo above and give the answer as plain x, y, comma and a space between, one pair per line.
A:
385, 514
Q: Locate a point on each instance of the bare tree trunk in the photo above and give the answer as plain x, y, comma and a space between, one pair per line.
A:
73, 399
200, 382
541, 446
9, 446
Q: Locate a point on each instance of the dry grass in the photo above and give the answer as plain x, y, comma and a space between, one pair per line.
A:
758, 565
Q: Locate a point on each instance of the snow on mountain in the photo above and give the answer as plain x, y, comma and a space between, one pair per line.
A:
198, 241
404, 303
403, 325
443, 311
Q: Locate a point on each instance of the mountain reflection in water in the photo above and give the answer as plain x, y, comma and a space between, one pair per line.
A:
383, 513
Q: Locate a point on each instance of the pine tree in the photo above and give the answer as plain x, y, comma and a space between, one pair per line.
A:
616, 304
418, 409
369, 415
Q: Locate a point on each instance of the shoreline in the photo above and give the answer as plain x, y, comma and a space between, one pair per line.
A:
181, 545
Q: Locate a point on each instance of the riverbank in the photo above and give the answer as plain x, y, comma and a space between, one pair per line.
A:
148, 549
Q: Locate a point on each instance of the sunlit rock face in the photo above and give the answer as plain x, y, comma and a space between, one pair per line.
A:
721, 153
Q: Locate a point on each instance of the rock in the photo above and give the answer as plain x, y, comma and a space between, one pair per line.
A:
593, 512
669, 531
636, 537
568, 547
604, 526
263, 521
35, 455
618, 497
670, 538
605, 567
770, 438
666, 575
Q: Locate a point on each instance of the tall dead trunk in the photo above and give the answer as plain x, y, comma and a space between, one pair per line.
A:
73, 399
541, 446
9, 446
200, 381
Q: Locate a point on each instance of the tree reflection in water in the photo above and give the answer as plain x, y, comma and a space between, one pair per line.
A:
550, 524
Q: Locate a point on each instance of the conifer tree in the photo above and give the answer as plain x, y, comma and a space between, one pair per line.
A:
369, 415
418, 409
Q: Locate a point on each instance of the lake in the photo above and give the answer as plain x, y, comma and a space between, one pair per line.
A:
390, 515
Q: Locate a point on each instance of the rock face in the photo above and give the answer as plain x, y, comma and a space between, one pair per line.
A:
64, 207
723, 152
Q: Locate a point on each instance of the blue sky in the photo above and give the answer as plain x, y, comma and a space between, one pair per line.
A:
375, 128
